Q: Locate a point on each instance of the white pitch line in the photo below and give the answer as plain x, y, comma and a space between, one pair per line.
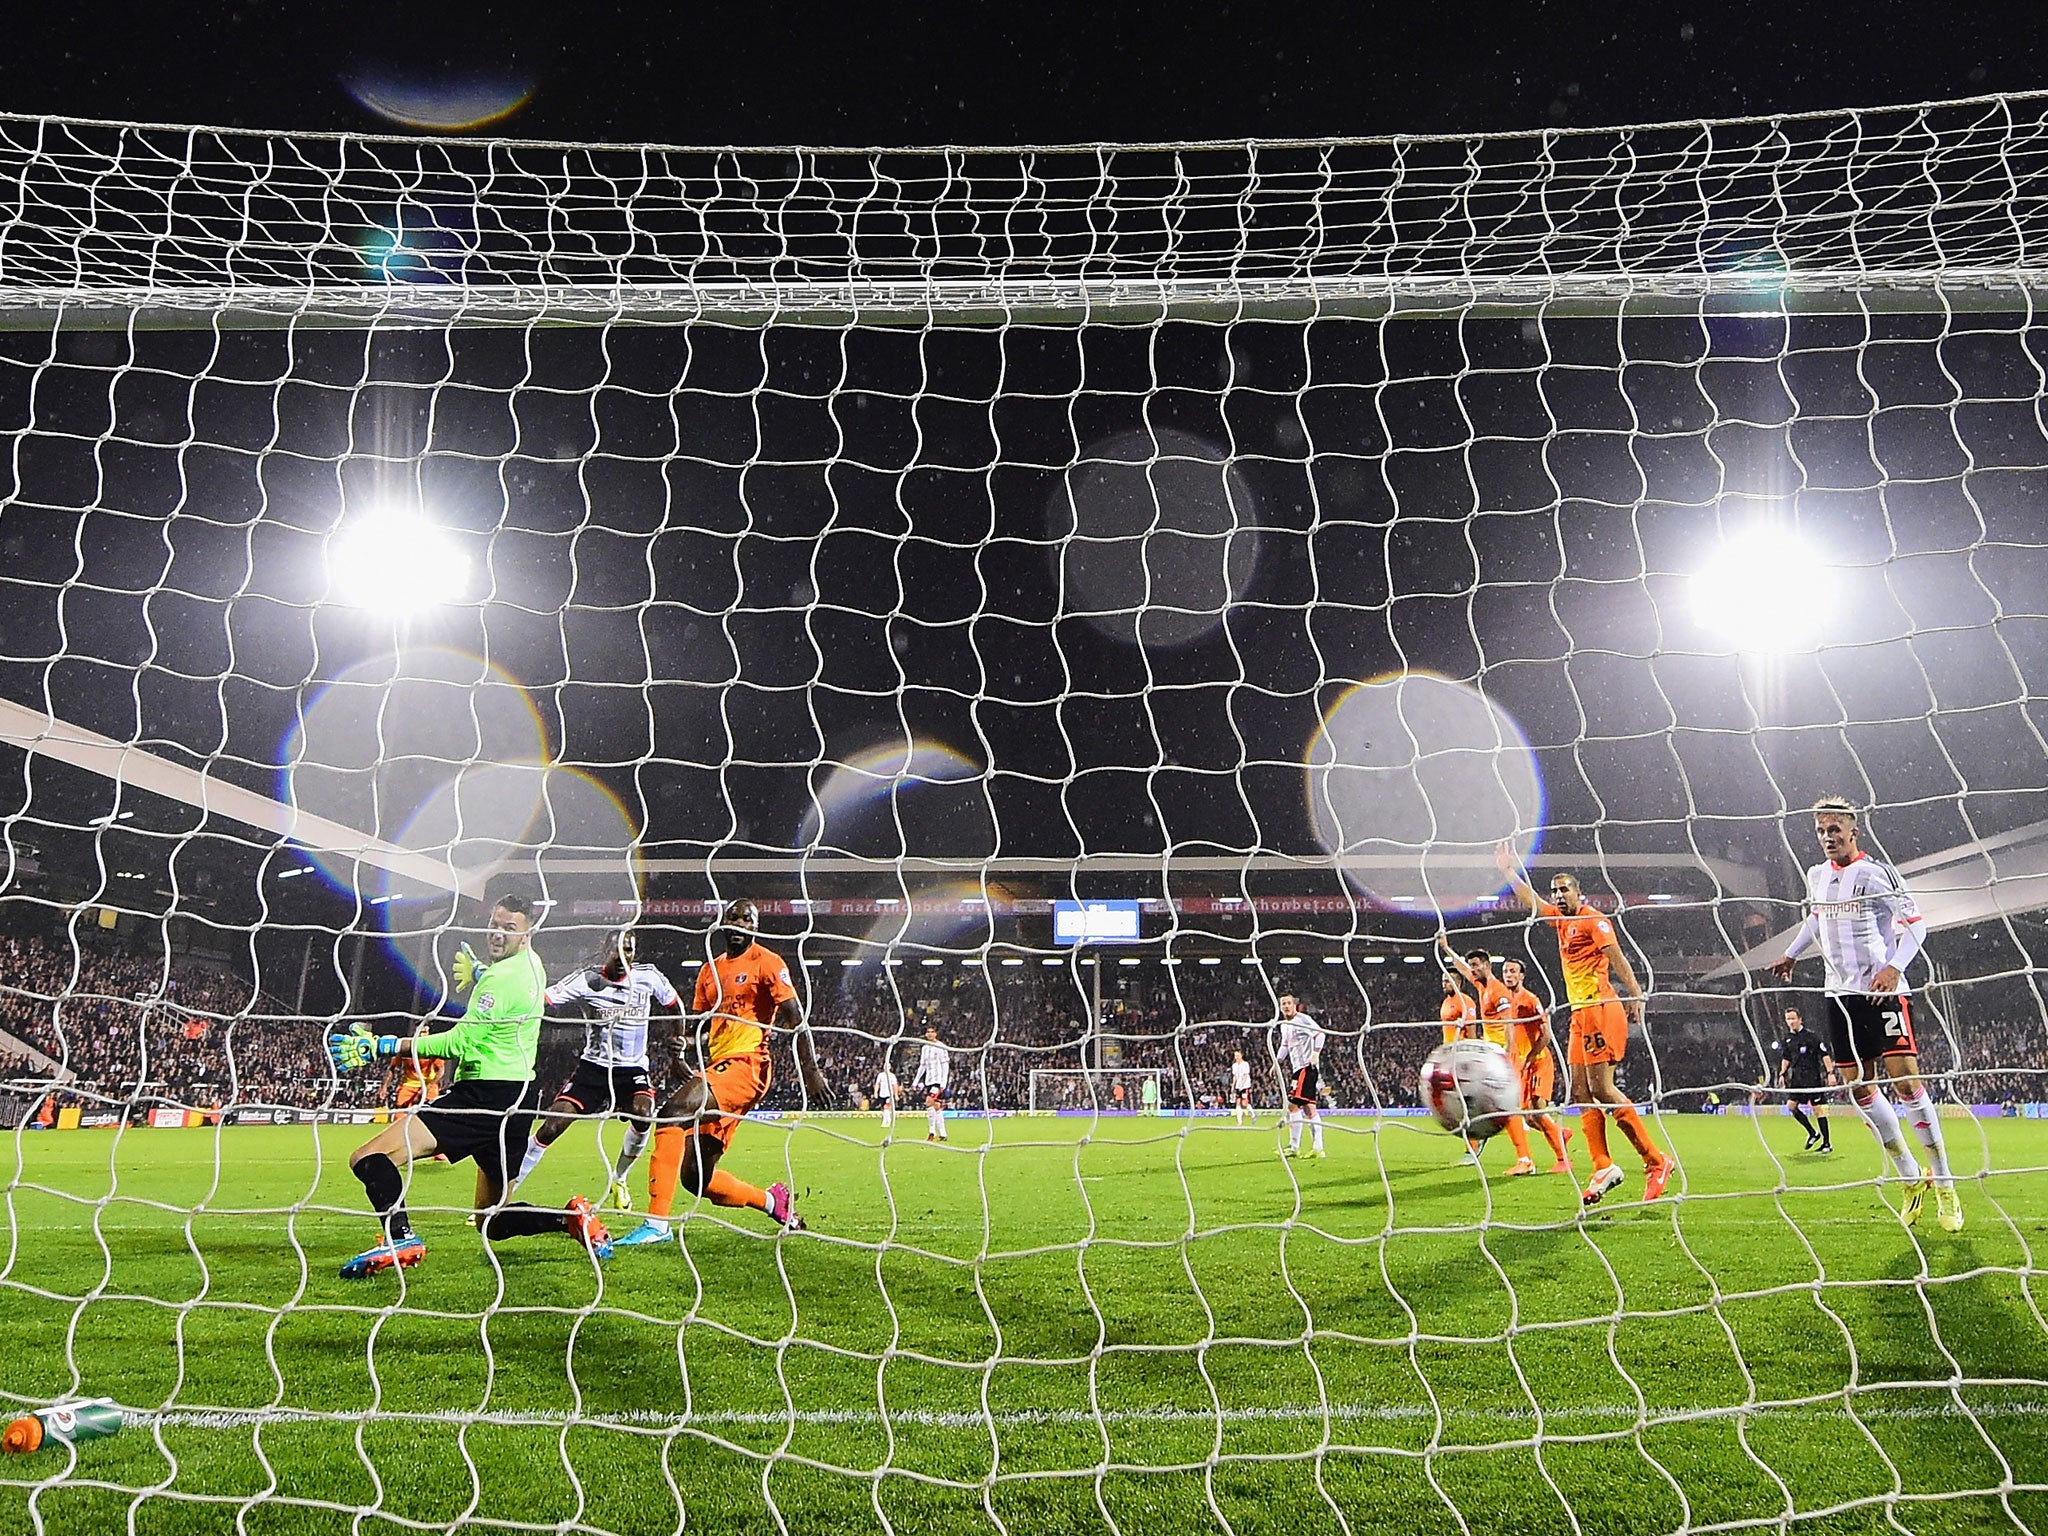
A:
1005, 1418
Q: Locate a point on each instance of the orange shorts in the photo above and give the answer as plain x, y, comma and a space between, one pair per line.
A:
737, 1084
1539, 1080
1599, 1033
408, 1095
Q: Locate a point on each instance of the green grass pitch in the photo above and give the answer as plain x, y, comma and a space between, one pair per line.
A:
1046, 1326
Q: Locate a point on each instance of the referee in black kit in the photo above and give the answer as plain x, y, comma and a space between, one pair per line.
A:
1807, 1071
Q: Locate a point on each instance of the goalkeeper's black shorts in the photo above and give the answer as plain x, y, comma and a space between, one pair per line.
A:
487, 1119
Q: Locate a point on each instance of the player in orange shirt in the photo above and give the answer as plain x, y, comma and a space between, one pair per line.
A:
741, 995
1533, 1050
419, 1081
1459, 1013
1591, 955
1460, 1017
419, 1084
1476, 966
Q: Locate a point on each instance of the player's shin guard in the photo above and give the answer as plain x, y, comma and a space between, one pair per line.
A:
385, 1186
1884, 1125
665, 1169
1594, 1121
1638, 1135
724, 1189
629, 1154
1919, 1112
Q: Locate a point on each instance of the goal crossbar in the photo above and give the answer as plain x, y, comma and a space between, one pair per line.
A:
999, 302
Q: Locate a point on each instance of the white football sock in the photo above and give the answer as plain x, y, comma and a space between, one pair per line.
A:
535, 1150
629, 1154
659, 1223
1293, 1129
1884, 1125
1925, 1120
1316, 1124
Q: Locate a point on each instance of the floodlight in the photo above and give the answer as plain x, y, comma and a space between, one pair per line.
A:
396, 562
1764, 591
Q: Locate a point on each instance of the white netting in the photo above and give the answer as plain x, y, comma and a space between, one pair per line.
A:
915, 541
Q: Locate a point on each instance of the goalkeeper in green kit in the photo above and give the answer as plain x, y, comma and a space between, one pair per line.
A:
486, 1116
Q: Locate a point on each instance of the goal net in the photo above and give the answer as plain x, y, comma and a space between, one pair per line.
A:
1078, 595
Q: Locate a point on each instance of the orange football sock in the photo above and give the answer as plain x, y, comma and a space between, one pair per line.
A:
1517, 1137
1551, 1134
724, 1189
1595, 1123
665, 1168
1639, 1135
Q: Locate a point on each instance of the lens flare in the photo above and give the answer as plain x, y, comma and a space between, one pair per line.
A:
556, 834
1417, 777
459, 103
843, 809
377, 743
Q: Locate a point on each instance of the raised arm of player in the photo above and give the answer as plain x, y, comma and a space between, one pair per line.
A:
1458, 961
1505, 860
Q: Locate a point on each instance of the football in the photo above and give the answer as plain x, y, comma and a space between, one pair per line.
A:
1471, 1087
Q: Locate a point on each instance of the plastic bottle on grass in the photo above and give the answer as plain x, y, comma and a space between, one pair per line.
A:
67, 1422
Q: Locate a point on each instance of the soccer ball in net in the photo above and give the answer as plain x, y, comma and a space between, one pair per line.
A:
1471, 1087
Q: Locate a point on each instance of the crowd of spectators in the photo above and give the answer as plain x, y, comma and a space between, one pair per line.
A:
124, 1029
1186, 1024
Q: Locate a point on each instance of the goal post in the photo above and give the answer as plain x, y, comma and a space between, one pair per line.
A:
1288, 545
1093, 1090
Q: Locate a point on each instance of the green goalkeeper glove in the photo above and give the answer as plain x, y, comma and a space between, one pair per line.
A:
466, 967
356, 1049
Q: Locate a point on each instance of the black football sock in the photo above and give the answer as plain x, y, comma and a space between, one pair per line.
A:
1799, 1114
524, 1221
385, 1186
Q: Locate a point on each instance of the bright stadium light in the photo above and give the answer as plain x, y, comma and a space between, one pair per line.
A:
394, 561
1758, 591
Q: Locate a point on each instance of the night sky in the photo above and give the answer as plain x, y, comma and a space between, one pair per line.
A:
967, 73
722, 559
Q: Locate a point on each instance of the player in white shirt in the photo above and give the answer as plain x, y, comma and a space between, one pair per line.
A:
1300, 1052
886, 1090
1870, 930
934, 1076
1241, 1090
611, 1078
